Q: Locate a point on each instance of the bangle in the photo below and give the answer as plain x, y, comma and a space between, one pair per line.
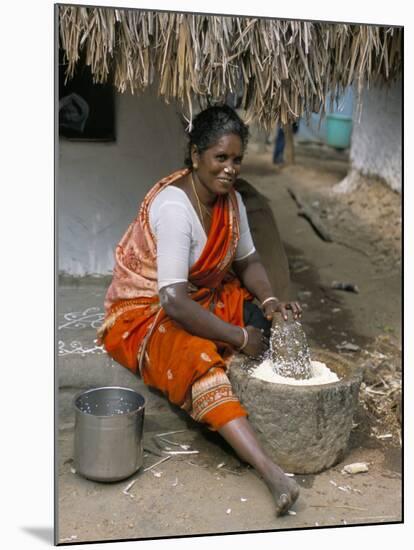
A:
245, 339
268, 300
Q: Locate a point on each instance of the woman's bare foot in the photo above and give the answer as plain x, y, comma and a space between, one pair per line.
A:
241, 436
285, 491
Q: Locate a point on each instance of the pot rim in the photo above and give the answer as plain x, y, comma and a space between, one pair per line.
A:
90, 390
354, 376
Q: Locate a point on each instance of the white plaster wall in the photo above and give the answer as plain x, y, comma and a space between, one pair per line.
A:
376, 139
100, 185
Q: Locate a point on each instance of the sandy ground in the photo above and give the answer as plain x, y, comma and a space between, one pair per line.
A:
200, 494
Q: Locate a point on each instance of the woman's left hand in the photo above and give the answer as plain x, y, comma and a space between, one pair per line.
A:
273, 306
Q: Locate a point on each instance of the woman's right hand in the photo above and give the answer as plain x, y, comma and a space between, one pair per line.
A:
257, 343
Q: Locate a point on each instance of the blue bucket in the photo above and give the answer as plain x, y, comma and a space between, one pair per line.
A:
338, 131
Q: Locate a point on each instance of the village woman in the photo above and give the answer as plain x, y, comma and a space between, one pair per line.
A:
180, 302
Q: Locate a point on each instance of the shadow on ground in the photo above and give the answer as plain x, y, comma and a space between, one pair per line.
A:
43, 533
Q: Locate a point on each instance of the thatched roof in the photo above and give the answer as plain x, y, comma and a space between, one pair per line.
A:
282, 69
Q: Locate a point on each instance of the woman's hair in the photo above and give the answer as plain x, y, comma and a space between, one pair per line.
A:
212, 124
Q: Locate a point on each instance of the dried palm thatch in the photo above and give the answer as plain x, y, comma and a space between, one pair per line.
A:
281, 70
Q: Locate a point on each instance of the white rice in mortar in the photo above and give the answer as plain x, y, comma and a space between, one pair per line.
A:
321, 374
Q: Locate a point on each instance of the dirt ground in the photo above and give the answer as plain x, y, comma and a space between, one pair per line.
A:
213, 492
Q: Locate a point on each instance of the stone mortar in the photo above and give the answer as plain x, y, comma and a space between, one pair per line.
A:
305, 429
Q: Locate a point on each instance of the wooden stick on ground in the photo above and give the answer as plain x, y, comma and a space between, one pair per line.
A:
307, 212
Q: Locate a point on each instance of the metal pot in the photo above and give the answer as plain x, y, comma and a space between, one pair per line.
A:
108, 433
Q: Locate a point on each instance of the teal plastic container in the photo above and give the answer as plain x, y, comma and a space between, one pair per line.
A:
338, 131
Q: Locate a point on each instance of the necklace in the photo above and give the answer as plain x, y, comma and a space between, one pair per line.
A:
206, 210
199, 203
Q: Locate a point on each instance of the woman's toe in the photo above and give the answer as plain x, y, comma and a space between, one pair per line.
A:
283, 504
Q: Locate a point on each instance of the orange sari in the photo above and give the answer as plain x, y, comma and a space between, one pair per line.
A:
139, 335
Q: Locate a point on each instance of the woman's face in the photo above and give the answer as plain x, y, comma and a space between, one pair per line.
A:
219, 165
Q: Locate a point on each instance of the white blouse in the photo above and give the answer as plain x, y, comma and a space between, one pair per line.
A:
181, 237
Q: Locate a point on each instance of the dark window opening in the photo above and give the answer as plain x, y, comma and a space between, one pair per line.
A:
86, 110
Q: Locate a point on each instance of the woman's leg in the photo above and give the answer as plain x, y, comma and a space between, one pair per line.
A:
241, 436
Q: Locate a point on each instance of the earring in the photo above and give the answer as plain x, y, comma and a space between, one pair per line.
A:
195, 165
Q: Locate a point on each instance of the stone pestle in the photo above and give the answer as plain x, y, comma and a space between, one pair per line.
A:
289, 350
